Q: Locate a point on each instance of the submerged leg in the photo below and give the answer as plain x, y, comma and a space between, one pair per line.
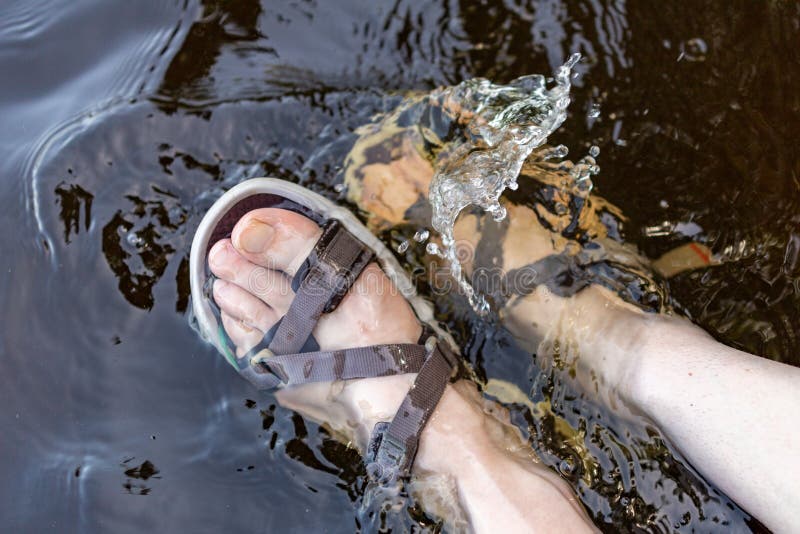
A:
717, 404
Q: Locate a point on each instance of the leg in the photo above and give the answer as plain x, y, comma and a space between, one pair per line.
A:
716, 404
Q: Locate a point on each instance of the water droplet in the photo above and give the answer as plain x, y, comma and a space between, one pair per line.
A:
594, 151
433, 248
499, 213
422, 235
557, 152
594, 111
403, 246
134, 240
615, 134
513, 185
566, 467
694, 49
339, 187
572, 61
480, 305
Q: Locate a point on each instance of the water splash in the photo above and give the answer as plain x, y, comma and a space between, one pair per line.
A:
503, 124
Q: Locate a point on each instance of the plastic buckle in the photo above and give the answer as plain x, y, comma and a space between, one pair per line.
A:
258, 363
385, 456
259, 359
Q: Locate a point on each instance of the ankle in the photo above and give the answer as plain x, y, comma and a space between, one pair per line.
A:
598, 337
353, 408
350, 408
372, 401
463, 429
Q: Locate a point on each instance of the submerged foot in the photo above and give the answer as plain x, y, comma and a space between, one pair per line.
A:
253, 291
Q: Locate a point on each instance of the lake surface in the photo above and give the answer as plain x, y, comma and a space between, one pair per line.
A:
123, 121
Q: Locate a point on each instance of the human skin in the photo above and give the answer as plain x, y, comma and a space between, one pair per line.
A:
732, 414
483, 473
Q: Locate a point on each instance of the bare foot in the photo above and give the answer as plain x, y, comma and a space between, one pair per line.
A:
473, 461
254, 270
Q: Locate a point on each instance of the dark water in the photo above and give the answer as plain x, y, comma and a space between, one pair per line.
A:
122, 121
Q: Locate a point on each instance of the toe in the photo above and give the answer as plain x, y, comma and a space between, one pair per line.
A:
275, 238
242, 306
270, 286
243, 336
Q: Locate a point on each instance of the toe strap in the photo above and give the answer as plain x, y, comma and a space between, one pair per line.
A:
325, 277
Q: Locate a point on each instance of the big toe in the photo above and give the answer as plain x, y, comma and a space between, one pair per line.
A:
275, 238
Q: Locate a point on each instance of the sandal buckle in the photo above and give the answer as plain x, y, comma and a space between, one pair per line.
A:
259, 359
260, 365
385, 456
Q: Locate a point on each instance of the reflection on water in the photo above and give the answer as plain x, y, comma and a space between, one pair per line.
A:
124, 121
143, 472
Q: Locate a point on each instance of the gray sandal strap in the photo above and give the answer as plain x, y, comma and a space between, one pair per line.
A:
328, 273
333, 266
394, 445
266, 370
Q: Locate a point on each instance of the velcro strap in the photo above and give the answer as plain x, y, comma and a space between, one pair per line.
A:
336, 262
331, 269
266, 370
393, 446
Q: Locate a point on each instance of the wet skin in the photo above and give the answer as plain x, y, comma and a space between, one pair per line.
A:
661, 366
253, 291
714, 402
388, 191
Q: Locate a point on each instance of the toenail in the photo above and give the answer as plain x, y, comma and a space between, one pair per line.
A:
221, 287
218, 255
255, 238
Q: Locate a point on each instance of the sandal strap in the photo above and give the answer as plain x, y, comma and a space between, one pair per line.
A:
266, 370
563, 274
327, 274
393, 446
337, 260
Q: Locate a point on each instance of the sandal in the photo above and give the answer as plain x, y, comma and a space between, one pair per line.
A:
288, 354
